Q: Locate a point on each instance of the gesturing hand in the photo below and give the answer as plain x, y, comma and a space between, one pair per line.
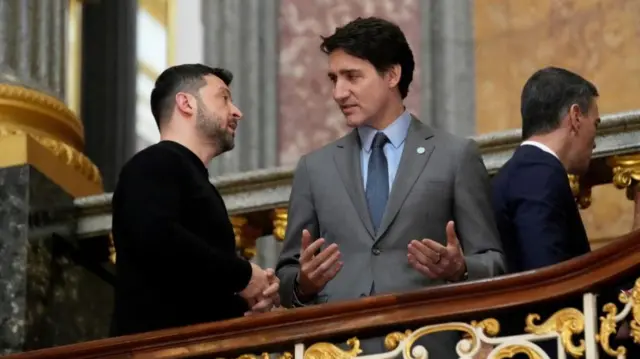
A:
316, 269
257, 284
437, 261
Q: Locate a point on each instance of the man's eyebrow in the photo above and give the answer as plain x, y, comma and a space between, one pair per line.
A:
224, 91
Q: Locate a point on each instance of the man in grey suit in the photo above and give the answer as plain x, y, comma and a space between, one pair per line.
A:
374, 212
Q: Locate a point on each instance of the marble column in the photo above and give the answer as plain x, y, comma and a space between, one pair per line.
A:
109, 84
447, 66
241, 35
51, 292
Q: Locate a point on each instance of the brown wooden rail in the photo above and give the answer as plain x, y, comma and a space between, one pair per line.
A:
312, 324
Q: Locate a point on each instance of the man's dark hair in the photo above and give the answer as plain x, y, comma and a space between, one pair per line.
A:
548, 95
378, 41
181, 78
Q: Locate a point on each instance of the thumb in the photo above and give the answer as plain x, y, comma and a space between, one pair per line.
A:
452, 238
306, 239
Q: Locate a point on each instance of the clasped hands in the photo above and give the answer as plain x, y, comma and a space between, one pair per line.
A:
261, 293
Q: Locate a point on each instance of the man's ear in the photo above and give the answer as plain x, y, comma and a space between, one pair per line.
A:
393, 75
575, 117
185, 103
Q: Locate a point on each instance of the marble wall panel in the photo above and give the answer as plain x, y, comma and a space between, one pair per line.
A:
599, 39
308, 116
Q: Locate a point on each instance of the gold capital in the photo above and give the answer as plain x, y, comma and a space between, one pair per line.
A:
40, 130
279, 223
626, 172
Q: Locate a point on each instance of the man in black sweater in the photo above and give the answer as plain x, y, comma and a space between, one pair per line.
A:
176, 257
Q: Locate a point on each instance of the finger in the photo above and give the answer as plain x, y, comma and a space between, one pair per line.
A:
270, 273
271, 290
310, 251
422, 269
452, 238
423, 253
331, 273
325, 265
325, 254
306, 240
262, 305
435, 247
276, 300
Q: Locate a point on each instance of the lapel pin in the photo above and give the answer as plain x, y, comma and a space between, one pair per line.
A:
420, 150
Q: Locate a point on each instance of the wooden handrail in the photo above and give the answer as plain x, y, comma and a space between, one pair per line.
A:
282, 329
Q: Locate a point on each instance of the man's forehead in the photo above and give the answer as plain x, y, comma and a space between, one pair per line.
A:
214, 83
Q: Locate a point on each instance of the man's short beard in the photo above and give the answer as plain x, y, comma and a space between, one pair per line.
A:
209, 126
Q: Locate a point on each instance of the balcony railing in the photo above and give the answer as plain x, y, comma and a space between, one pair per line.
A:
477, 308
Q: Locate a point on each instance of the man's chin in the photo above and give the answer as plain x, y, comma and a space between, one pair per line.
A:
354, 120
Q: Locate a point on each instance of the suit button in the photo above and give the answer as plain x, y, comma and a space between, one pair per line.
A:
375, 251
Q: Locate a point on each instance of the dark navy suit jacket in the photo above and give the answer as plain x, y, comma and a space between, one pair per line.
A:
537, 215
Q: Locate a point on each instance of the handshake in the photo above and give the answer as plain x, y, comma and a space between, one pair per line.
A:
262, 291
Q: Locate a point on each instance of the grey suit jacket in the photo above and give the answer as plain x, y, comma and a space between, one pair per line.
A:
448, 181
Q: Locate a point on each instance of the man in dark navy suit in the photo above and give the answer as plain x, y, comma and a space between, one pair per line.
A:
537, 215
536, 212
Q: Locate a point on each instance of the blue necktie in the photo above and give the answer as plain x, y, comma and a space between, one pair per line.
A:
377, 180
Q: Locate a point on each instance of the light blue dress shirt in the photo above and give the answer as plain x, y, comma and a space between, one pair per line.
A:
396, 132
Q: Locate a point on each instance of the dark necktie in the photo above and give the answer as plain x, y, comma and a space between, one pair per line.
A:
377, 180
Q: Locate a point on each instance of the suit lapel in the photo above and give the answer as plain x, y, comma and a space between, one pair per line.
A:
411, 165
347, 160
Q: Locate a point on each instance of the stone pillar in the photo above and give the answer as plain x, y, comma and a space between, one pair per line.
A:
48, 296
447, 66
242, 37
109, 84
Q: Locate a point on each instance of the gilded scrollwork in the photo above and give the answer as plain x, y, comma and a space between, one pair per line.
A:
581, 193
608, 327
331, 351
626, 173
279, 223
490, 326
244, 242
509, 351
392, 340
633, 297
566, 322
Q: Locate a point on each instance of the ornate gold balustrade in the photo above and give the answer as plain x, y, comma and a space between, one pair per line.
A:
573, 303
257, 200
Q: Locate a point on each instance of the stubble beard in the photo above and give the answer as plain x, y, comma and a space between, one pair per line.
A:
208, 125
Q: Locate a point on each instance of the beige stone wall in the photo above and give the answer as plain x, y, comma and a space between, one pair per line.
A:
599, 39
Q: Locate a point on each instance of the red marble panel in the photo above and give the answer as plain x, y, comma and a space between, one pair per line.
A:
308, 116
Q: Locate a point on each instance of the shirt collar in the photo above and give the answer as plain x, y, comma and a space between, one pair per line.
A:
396, 132
541, 146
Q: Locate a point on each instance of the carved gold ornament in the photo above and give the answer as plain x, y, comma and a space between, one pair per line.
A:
511, 350
608, 327
626, 172
580, 193
330, 351
34, 116
566, 322
392, 340
244, 244
633, 298
279, 223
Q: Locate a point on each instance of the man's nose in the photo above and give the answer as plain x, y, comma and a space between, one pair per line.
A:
235, 112
340, 91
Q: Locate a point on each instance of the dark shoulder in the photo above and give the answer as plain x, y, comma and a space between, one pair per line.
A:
158, 159
530, 176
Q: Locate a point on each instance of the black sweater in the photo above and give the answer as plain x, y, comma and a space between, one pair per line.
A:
176, 256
